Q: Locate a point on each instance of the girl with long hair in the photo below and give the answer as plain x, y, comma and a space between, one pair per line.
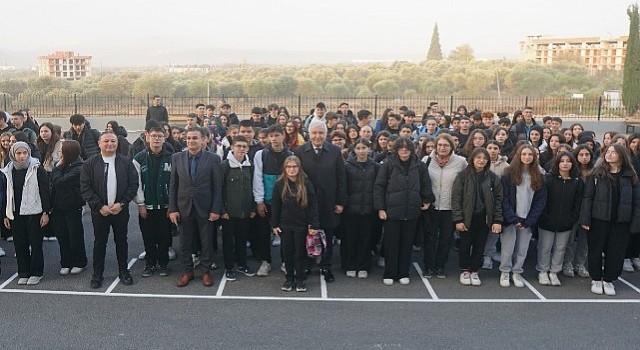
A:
49, 145
476, 205
610, 213
294, 216
524, 199
564, 196
292, 136
499, 164
477, 138
501, 135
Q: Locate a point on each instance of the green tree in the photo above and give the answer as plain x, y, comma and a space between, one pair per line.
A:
285, 85
259, 87
308, 87
435, 51
13, 87
387, 87
631, 77
462, 53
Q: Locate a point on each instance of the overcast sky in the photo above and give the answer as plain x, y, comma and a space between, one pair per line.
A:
142, 32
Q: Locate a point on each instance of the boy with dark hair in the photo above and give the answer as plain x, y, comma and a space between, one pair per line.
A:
556, 125
272, 117
225, 110
257, 120
364, 117
393, 124
87, 138
318, 115
347, 114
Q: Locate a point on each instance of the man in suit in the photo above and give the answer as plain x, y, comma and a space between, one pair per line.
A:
108, 182
323, 163
195, 202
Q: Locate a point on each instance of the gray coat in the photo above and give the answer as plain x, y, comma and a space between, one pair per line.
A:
204, 193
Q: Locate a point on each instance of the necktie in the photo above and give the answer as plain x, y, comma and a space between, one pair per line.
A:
318, 149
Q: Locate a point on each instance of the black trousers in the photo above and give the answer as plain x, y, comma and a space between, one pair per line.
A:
193, 228
398, 246
101, 227
633, 248
262, 238
472, 243
294, 249
327, 253
356, 242
611, 239
438, 234
70, 232
234, 238
27, 234
156, 235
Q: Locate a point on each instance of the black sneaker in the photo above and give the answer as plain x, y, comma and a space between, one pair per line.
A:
163, 271
230, 275
440, 273
96, 282
245, 271
287, 286
125, 277
148, 271
301, 286
427, 273
328, 276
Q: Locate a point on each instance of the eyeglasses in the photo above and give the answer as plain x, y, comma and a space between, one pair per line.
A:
241, 146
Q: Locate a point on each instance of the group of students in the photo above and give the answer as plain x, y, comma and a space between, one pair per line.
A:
382, 190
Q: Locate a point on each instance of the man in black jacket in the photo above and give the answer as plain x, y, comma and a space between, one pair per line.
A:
157, 111
324, 165
87, 138
108, 182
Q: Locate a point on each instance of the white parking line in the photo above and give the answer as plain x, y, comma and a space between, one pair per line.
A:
9, 280
625, 282
323, 287
535, 291
432, 292
360, 300
117, 280
223, 283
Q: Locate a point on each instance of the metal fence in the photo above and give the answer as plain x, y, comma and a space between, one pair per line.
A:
97, 106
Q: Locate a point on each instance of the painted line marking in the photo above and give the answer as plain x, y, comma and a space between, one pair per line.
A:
223, 283
535, 291
408, 300
426, 282
620, 278
323, 287
117, 280
15, 275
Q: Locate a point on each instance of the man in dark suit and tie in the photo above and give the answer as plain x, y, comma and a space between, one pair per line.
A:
195, 202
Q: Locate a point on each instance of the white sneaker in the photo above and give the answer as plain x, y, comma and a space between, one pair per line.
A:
53, 239
636, 263
487, 263
22, 281
276, 241
465, 278
517, 280
381, 262
387, 281
404, 281
10, 239
65, 271
475, 279
582, 272
33, 280
504, 279
596, 287
553, 278
76, 270
543, 279
264, 269
142, 256
363, 274
609, 289
351, 274
627, 266
2, 252
171, 253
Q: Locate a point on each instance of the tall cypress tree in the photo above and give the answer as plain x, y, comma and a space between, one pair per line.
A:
435, 51
631, 77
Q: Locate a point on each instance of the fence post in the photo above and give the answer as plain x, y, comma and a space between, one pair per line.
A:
375, 106
526, 101
599, 107
299, 105
148, 105
75, 104
451, 105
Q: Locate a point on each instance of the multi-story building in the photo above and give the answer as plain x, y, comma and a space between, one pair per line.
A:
65, 65
596, 53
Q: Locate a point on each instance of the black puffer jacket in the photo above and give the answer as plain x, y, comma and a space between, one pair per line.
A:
596, 202
562, 209
66, 186
360, 180
402, 193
